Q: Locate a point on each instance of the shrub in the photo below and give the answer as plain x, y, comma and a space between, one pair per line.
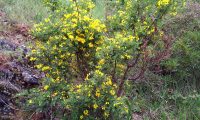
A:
185, 55
87, 63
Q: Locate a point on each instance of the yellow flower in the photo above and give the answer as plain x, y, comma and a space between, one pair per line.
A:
121, 13
91, 5
87, 77
78, 31
71, 37
81, 117
114, 85
109, 82
46, 87
86, 112
67, 16
163, 3
62, 56
78, 91
82, 35
81, 40
38, 29
54, 47
127, 56
39, 66
64, 30
98, 49
95, 106
98, 72
95, 24
54, 94
33, 51
91, 45
74, 20
98, 93
74, 25
75, 14
32, 59
137, 38
112, 92
30, 101
103, 108
126, 109
161, 33
91, 38
86, 18
89, 94
64, 38
101, 62
106, 114
47, 20
173, 13
79, 86
46, 68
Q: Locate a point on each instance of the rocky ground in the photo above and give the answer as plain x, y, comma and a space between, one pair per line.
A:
16, 71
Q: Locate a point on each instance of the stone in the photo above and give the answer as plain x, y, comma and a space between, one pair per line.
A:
15, 74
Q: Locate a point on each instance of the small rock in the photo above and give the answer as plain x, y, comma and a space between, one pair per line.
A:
30, 79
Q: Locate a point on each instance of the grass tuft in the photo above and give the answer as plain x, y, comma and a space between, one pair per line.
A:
24, 11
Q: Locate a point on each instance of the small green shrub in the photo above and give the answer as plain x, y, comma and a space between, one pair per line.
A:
185, 52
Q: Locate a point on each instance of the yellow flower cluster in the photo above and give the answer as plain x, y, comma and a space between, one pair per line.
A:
127, 17
88, 31
95, 106
101, 91
86, 112
75, 31
119, 43
97, 93
46, 87
163, 3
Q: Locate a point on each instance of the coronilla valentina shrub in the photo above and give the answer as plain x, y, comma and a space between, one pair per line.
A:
87, 62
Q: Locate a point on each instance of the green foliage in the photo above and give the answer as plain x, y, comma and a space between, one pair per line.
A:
155, 99
176, 94
185, 55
